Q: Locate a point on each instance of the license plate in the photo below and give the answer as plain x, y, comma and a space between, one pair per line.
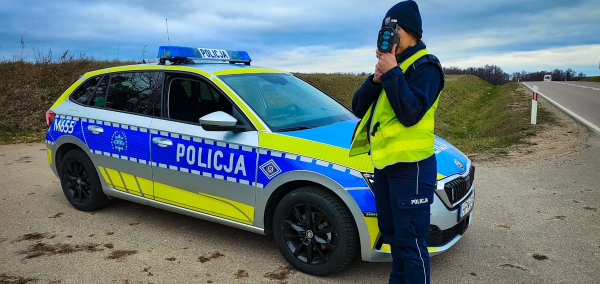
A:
466, 207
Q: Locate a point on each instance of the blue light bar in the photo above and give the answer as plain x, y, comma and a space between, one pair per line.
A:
180, 53
168, 52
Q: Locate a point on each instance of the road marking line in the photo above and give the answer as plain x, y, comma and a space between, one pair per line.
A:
580, 86
568, 111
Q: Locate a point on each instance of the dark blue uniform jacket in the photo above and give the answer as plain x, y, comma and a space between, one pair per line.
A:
410, 95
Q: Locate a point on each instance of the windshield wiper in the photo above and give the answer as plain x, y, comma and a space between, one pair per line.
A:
293, 128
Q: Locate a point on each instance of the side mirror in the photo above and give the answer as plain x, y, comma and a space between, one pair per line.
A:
217, 118
221, 121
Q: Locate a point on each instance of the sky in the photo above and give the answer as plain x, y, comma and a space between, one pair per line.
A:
322, 36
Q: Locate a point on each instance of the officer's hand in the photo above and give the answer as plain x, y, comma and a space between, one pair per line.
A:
377, 76
386, 61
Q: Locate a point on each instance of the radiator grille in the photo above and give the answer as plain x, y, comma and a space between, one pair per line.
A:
457, 189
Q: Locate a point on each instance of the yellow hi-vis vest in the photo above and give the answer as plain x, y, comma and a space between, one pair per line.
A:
393, 142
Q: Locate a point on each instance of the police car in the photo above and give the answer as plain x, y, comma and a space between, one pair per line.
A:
205, 134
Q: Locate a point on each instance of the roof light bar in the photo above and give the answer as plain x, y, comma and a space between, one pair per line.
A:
181, 54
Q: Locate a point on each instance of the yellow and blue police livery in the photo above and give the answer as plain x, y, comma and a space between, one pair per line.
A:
205, 134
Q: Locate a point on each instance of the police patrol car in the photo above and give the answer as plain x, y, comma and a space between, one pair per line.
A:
205, 134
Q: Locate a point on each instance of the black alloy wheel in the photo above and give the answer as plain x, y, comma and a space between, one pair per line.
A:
309, 234
77, 181
314, 231
80, 182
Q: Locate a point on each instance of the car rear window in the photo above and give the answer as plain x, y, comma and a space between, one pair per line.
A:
99, 99
85, 91
131, 92
135, 92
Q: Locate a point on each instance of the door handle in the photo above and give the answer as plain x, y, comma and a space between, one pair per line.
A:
95, 129
162, 142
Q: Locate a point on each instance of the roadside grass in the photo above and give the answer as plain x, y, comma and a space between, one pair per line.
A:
473, 115
591, 79
477, 117
339, 86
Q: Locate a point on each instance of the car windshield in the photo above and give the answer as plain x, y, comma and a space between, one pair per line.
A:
285, 102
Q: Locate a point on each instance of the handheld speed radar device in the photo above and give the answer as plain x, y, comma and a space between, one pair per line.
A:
388, 36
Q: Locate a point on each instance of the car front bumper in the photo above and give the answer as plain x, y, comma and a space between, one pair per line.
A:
383, 254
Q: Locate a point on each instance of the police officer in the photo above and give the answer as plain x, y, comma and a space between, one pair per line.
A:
396, 106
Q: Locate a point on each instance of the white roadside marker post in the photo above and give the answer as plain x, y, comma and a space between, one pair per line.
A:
534, 103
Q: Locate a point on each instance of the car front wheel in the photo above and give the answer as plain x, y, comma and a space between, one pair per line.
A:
315, 231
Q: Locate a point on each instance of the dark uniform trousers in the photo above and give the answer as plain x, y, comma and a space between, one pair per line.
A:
403, 196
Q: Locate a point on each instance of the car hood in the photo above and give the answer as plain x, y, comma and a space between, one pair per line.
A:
449, 159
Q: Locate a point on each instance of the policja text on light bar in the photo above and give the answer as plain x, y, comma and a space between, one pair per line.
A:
187, 55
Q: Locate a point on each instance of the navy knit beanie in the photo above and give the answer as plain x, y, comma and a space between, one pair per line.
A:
408, 16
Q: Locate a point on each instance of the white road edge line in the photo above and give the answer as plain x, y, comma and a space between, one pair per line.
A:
567, 111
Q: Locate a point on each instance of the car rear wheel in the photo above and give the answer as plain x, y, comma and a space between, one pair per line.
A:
80, 182
314, 231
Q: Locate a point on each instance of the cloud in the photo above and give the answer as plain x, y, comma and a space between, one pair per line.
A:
518, 32
582, 56
296, 35
321, 59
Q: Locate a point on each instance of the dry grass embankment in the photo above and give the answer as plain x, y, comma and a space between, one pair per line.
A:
472, 114
478, 117
591, 79
27, 90
339, 86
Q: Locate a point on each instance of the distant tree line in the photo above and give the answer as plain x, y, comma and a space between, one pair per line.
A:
490, 73
557, 75
496, 76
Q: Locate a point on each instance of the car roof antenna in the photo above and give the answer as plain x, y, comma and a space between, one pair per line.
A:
167, 23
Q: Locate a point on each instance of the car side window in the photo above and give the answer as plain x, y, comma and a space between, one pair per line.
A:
133, 92
99, 98
85, 91
156, 97
190, 99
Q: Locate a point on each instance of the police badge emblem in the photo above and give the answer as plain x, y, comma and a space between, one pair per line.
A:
459, 164
118, 141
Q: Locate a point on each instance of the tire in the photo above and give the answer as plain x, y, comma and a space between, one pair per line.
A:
330, 235
80, 182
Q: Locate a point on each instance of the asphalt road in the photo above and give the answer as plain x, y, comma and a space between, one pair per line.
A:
547, 211
582, 98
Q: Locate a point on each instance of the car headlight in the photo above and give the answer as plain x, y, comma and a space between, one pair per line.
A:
370, 179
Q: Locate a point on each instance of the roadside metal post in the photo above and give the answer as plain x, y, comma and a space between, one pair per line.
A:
534, 103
